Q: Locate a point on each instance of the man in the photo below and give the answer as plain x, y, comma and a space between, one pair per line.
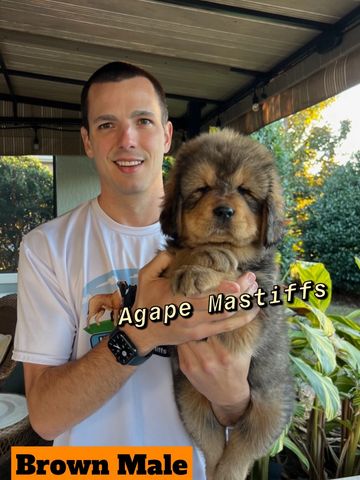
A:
80, 395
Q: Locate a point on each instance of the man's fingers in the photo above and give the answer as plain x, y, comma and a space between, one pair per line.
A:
241, 318
157, 265
246, 281
186, 357
194, 355
237, 320
228, 288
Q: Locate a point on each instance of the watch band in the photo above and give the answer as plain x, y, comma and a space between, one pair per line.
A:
124, 350
162, 351
128, 293
139, 360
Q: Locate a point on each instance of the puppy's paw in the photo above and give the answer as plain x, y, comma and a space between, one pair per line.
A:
191, 280
219, 259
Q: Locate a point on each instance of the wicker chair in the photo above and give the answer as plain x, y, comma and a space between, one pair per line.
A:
7, 326
20, 433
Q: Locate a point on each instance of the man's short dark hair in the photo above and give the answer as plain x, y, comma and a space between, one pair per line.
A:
115, 72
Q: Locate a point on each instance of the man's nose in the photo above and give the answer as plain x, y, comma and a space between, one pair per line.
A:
127, 136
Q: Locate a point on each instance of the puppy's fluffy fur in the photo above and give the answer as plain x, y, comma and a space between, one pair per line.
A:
223, 214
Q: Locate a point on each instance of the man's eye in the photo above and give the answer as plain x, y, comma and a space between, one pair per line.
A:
145, 121
104, 126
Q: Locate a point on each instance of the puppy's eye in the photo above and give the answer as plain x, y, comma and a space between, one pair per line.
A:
250, 199
243, 191
204, 189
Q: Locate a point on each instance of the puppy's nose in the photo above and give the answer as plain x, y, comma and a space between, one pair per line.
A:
224, 212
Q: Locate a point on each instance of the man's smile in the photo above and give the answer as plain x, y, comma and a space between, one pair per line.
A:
129, 165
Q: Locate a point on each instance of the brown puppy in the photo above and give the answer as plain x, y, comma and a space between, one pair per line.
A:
223, 213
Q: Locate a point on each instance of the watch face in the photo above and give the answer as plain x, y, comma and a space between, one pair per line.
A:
122, 348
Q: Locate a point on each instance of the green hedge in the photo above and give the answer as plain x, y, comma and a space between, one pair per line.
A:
331, 233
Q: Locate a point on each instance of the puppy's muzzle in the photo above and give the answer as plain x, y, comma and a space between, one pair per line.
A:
223, 212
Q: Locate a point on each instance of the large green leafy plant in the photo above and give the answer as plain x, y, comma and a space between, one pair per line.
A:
326, 359
325, 356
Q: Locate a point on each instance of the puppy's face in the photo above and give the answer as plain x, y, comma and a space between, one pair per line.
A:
219, 208
223, 189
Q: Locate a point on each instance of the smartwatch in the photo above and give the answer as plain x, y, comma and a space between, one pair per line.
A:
124, 350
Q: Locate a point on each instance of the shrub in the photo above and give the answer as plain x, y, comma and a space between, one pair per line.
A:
331, 229
26, 200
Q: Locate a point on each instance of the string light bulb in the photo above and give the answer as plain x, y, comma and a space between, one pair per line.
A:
255, 103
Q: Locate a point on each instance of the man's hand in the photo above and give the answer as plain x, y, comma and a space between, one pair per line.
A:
218, 375
155, 290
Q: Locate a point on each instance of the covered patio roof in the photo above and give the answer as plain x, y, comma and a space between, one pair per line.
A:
214, 58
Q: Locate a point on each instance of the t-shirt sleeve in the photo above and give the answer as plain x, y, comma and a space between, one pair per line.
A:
46, 324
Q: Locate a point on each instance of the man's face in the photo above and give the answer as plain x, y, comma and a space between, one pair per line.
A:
126, 136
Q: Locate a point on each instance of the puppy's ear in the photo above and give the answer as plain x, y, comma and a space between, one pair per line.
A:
273, 215
170, 216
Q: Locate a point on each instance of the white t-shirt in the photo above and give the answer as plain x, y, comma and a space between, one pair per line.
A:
63, 264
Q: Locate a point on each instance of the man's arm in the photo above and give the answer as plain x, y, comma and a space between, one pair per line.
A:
60, 397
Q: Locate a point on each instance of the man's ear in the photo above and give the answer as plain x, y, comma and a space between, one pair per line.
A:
86, 142
168, 129
273, 215
170, 216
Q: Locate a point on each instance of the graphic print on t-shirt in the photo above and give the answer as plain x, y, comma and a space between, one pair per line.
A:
102, 302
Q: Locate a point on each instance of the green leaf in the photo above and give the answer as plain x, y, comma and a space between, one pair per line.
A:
344, 384
325, 322
354, 315
324, 388
317, 317
347, 320
297, 338
297, 334
348, 353
317, 273
296, 450
298, 306
356, 399
322, 347
357, 261
278, 445
348, 329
